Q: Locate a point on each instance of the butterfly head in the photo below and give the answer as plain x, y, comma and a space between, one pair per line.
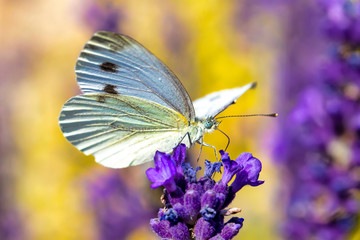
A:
210, 124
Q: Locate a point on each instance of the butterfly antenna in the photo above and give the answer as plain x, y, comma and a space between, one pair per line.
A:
228, 143
250, 115
253, 85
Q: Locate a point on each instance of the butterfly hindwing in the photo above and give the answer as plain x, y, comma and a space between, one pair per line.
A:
120, 131
117, 64
216, 102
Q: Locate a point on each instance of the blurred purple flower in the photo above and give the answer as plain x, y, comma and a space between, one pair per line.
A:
194, 208
11, 225
15, 63
175, 33
319, 140
114, 205
102, 16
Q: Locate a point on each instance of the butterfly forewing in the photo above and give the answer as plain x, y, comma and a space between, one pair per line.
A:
117, 64
121, 131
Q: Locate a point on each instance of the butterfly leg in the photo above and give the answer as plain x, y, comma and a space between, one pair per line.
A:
201, 142
186, 134
208, 145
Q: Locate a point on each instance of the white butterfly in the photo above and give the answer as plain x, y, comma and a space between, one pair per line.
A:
134, 105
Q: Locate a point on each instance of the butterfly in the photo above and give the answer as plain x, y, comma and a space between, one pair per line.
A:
133, 104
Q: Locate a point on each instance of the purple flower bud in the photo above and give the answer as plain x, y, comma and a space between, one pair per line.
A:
161, 212
170, 215
204, 229
196, 187
211, 168
352, 206
190, 172
221, 187
231, 228
341, 181
180, 232
207, 183
161, 228
209, 199
181, 211
208, 213
224, 155
216, 197
192, 205
230, 167
176, 197
249, 174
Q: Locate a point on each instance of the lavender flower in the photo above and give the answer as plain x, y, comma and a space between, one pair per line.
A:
102, 17
195, 208
114, 205
320, 139
249, 175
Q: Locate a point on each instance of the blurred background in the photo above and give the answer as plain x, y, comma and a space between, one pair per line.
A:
305, 56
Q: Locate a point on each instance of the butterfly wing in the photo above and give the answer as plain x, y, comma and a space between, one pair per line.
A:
216, 102
121, 131
114, 63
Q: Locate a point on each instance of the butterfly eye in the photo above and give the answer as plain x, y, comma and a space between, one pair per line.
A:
208, 124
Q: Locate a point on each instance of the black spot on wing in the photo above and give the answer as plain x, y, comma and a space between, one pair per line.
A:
109, 67
110, 89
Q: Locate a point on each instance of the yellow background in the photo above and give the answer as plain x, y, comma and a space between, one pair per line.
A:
218, 48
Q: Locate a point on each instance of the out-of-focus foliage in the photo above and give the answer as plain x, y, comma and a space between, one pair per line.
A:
210, 45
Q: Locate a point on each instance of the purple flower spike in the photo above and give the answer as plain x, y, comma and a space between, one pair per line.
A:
163, 173
319, 137
195, 208
230, 167
249, 174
